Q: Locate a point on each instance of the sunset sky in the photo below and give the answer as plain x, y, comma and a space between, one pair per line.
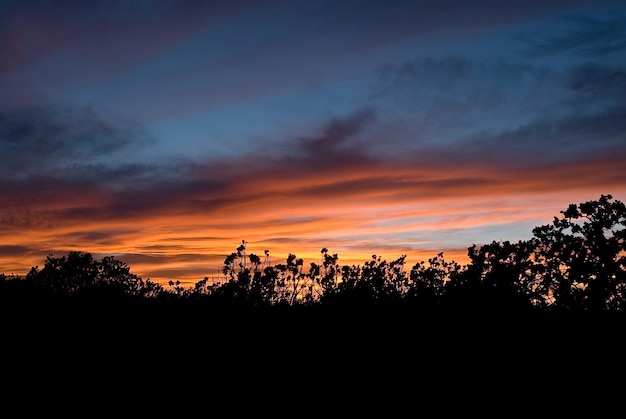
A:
166, 132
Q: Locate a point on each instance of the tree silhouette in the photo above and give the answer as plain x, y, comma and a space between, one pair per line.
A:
429, 283
80, 275
493, 280
575, 264
580, 257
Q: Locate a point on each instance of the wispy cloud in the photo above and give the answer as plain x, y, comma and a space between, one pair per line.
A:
46, 140
583, 34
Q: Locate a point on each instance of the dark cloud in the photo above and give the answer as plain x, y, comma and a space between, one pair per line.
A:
545, 141
50, 134
390, 187
47, 202
432, 72
366, 23
15, 250
336, 147
438, 102
517, 108
336, 133
109, 34
73, 144
587, 35
437, 81
598, 81
454, 94
102, 237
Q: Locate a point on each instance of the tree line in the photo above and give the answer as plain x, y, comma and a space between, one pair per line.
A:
577, 263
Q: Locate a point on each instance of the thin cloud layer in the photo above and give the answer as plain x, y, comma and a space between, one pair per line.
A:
586, 35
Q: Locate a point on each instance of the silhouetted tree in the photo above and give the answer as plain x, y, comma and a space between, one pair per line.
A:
80, 275
580, 257
577, 263
256, 284
427, 284
494, 280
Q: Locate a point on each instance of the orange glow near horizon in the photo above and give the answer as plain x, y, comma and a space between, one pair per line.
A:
187, 245
412, 208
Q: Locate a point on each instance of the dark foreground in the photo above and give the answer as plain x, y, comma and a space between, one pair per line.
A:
308, 331
88, 359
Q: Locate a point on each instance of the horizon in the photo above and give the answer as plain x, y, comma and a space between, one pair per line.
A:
412, 257
165, 133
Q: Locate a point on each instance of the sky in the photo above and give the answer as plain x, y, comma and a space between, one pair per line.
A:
165, 133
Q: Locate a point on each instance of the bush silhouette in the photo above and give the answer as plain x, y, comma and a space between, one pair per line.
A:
575, 264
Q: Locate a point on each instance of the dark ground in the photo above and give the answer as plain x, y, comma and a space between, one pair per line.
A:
390, 362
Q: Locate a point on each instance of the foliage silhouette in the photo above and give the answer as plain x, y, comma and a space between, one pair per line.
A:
580, 258
80, 275
575, 264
